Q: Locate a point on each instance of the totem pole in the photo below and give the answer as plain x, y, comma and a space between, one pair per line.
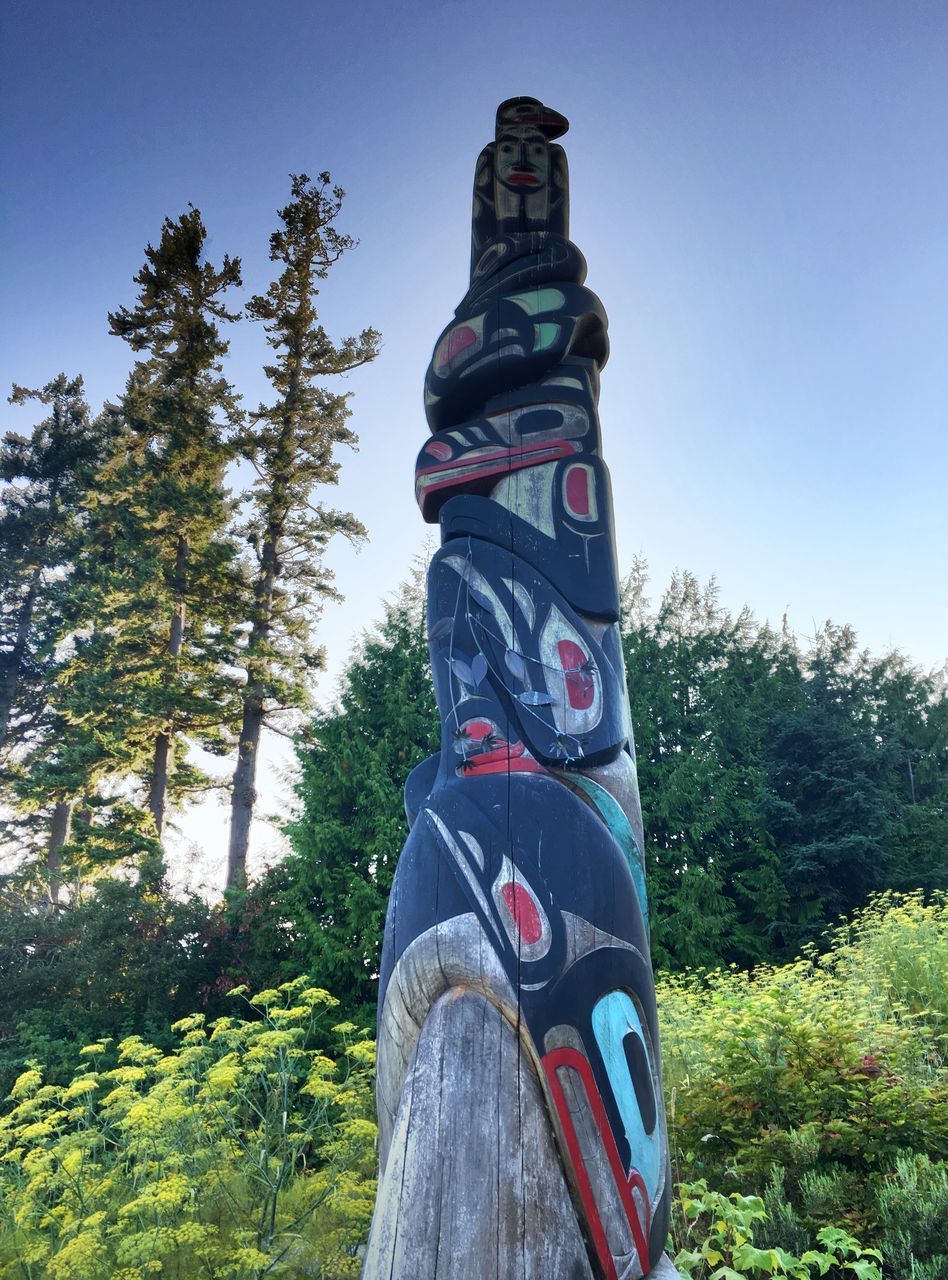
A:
521, 1122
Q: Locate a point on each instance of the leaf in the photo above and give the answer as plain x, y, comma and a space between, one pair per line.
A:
822, 1260
479, 668
463, 672
864, 1269
516, 665
535, 698
441, 628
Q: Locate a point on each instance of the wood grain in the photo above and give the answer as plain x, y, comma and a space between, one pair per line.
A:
473, 1187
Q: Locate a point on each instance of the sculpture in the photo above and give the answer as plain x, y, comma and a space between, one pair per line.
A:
521, 1121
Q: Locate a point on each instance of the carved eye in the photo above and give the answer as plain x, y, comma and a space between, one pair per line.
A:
507, 148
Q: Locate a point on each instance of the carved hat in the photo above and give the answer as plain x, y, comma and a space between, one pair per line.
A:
531, 111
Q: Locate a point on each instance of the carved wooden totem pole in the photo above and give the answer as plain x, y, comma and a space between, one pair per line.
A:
522, 1129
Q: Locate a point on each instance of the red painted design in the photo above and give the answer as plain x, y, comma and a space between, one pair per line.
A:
458, 340
508, 757
477, 729
580, 686
525, 916
481, 469
574, 1059
577, 491
509, 764
439, 449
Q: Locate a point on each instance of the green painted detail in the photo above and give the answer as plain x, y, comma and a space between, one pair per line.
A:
613, 816
538, 300
545, 335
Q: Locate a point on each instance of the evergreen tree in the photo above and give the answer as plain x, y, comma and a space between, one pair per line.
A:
177, 414
701, 684
157, 596
46, 476
351, 823
291, 444
910, 712
774, 782
840, 799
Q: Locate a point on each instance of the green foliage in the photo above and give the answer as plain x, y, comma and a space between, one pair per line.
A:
156, 596
701, 686
820, 1083
808, 1103
713, 700
351, 825
913, 1218
780, 788
46, 477
125, 959
246, 1150
720, 1230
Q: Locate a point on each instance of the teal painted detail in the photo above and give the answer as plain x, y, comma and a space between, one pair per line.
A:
539, 300
613, 816
544, 335
613, 1018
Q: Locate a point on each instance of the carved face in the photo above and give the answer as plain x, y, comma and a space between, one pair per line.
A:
522, 160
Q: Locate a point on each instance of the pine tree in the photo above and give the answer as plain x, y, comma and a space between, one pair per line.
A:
46, 477
838, 787
701, 685
177, 416
291, 444
156, 595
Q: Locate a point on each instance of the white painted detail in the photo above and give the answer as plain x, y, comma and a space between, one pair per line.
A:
465, 868
475, 848
529, 495
529, 951
474, 578
524, 601
568, 719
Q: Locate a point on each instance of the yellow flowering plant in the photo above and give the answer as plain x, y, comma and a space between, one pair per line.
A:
249, 1151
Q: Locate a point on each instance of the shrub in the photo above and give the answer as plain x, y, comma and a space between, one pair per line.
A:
247, 1151
720, 1232
820, 1085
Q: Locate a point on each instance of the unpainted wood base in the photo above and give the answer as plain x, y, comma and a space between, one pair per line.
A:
473, 1188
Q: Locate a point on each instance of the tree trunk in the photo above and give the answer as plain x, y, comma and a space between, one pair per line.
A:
14, 659
158, 791
59, 833
244, 794
164, 743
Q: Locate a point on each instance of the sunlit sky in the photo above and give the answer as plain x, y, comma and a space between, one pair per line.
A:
760, 190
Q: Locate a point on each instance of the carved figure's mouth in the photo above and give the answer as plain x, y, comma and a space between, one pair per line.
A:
523, 178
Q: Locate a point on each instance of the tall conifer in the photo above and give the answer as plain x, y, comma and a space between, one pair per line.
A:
47, 478
180, 410
45, 475
291, 445
156, 591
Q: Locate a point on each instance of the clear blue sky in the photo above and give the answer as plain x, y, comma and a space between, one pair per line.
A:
760, 189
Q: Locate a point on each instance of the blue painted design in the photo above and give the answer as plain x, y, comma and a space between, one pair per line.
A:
614, 1018
614, 817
